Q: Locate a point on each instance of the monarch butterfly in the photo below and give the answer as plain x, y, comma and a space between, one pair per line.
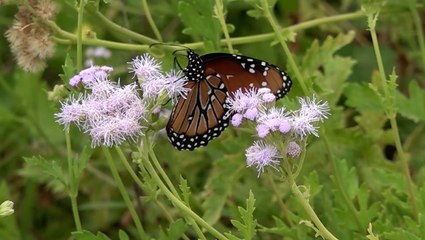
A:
212, 78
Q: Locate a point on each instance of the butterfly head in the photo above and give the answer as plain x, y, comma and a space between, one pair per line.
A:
194, 69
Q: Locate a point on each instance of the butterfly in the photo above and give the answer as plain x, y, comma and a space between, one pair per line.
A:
203, 114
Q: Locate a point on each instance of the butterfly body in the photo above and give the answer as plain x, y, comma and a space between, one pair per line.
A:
212, 78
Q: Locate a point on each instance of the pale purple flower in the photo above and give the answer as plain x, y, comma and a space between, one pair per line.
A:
266, 94
311, 111
175, 84
110, 114
316, 109
237, 119
172, 84
248, 101
88, 75
273, 119
145, 66
72, 111
260, 155
293, 149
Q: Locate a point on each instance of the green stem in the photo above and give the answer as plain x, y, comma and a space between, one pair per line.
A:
152, 156
405, 165
220, 15
163, 174
178, 203
324, 232
420, 33
394, 127
80, 36
278, 33
124, 193
121, 30
151, 21
73, 191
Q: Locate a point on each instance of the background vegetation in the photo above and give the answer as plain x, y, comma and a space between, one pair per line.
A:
364, 172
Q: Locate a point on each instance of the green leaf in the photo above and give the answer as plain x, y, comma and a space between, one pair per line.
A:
185, 189
412, 107
312, 181
174, 232
329, 72
123, 235
86, 235
348, 178
46, 171
69, 70
360, 96
366, 212
198, 17
248, 224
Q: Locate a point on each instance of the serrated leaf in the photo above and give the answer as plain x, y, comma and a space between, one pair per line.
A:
328, 71
174, 231
46, 170
312, 181
69, 70
248, 224
348, 178
367, 212
400, 234
185, 189
360, 96
196, 15
86, 235
412, 107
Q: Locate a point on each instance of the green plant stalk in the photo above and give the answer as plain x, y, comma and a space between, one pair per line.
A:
339, 184
151, 21
152, 156
285, 211
323, 231
420, 33
73, 191
278, 34
220, 15
394, 128
80, 35
124, 193
178, 203
121, 30
139, 182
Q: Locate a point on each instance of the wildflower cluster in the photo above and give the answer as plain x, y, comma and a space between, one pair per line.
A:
108, 112
294, 126
154, 82
30, 40
112, 114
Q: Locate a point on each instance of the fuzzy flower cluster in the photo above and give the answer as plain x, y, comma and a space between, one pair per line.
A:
295, 125
246, 102
89, 75
154, 82
109, 113
30, 40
